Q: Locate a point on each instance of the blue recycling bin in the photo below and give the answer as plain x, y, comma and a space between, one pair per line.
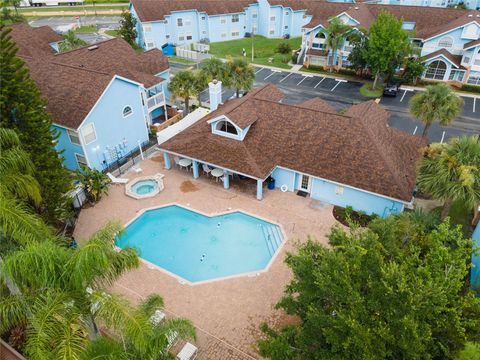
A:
271, 184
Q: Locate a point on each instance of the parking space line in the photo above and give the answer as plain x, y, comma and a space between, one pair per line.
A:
273, 73
415, 131
304, 77
256, 72
319, 83
443, 136
474, 101
404, 93
338, 83
286, 76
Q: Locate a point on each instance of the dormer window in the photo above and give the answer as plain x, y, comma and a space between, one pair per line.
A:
227, 127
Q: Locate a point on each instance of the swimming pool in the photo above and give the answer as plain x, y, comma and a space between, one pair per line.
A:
197, 247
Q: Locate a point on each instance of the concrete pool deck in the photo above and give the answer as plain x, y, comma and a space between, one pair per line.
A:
227, 313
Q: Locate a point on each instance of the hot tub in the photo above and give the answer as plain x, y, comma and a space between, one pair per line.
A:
145, 186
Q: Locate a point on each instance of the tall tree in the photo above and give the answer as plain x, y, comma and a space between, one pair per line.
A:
127, 28
337, 32
393, 291
436, 103
451, 172
182, 85
387, 42
71, 42
213, 68
358, 55
239, 75
23, 109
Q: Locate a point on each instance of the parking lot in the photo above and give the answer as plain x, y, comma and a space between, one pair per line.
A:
341, 94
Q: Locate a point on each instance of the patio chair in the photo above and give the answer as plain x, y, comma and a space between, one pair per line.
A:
206, 169
116, 180
157, 317
188, 352
176, 161
172, 339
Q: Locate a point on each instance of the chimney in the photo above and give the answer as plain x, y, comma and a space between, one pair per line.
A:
215, 92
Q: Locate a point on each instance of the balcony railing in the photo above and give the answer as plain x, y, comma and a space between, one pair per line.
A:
156, 101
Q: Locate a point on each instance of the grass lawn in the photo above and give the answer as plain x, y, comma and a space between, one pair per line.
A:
366, 90
176, 59
113, 33
264, 49
69, 8
86, 29
331, 73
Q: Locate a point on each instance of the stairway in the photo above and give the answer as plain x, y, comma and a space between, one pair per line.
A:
273, 238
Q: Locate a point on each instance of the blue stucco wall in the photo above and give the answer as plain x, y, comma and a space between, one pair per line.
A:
475, 272
324, 190
64, 144
112, 129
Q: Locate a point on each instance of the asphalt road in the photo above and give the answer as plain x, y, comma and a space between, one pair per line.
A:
342, 94
58, 23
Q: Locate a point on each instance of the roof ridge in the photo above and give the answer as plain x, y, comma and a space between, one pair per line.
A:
84, 47
378, 146
78, 68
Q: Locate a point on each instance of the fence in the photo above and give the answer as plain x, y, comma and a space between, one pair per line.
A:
9, 353
203, 48
121, 165
199, 52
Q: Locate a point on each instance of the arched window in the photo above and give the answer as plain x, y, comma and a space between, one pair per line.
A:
127, 110
320, 35
226, 126
436, 70
445, 42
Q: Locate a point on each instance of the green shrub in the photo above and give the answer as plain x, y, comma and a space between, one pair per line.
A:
94, 182
284, 48
471, 88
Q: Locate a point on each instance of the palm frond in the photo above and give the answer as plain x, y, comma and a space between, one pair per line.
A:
152, 303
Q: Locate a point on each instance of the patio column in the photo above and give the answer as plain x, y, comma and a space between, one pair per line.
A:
259, 189
226, 179
166, 160
195, 169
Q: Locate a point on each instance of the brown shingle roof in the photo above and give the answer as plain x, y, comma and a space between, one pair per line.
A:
317, 52
471, 44
317, 104
73, 81
455, 59
357, 149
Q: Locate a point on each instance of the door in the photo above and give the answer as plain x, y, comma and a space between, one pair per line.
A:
305, 183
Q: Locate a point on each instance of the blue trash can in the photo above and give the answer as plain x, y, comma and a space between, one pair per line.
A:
271, 184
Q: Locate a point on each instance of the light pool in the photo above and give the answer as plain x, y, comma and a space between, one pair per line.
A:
197, 248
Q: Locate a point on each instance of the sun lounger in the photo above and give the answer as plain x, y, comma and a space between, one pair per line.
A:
116, 180
157, 317
172, 338
188, 352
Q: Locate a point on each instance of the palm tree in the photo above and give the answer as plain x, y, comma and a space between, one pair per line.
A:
436, 103
182, 85
71, 42
337, 32
239, 75
451, 172
18, 189
157, 335
61, 301
213, 68
201, 82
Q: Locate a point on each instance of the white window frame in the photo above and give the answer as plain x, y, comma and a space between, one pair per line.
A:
254, 15
271, 32
167, 36
147, 28
235, 33
223, 20
78, 161
447, 42
272, 18
130, 113
74, 134
223, 35
179, 22
235, 18
188, 35
339, 190
151, 42
181, 37
187, 22
92, 126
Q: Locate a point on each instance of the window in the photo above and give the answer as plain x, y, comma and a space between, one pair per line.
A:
272, 18
89, 135
320, 35
74, 138
149, 44
223, 20
181, 37
167, 36
189, 36
127, 110
466, 59
147, 28
286, 13
436, 70
235, 33
339, 190
203, 17
179, 22
272, 32
446, 42
235, 18
223, 35
226, 126
81, 160
188, 22
254, 29
204, 32
286, 27
254, 15
474, 80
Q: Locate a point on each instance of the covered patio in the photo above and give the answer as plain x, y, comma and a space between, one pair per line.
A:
217, 172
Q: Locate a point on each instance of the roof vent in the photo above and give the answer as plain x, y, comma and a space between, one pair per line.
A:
470, 15
90, 48
356, 8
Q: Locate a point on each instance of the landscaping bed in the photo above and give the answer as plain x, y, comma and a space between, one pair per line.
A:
366, 90
347, 216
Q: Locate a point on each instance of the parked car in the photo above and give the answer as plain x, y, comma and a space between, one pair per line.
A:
391, 89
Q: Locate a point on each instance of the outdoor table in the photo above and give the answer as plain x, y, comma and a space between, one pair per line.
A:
185, 163
216, 173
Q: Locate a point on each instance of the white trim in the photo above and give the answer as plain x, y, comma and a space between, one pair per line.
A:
349, 16
70, 137
455, 28
131, 111
76, 159
435, 58
94, 132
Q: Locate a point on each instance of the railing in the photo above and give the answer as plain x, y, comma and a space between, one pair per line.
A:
156, 101
128, 160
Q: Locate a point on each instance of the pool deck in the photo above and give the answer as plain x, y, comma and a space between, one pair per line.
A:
227, 313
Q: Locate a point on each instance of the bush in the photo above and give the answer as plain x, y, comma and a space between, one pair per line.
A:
94, 182
471, 88
294, 58
284, 48
347, 216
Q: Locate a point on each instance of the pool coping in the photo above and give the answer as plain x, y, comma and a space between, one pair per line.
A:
184, 281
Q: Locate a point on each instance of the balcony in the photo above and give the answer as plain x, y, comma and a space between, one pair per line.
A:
156, 101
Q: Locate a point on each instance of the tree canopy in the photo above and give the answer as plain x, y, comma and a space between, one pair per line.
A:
239, 75
127, 28
395, 290
183, 85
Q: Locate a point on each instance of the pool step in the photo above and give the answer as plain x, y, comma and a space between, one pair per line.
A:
273, 238
269, 244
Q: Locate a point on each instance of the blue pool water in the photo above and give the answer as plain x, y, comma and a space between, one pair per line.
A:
144, 187
197, 248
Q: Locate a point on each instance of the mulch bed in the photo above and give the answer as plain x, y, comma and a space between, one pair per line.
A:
340, 214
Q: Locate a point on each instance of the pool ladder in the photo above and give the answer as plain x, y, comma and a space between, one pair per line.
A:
273, 238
